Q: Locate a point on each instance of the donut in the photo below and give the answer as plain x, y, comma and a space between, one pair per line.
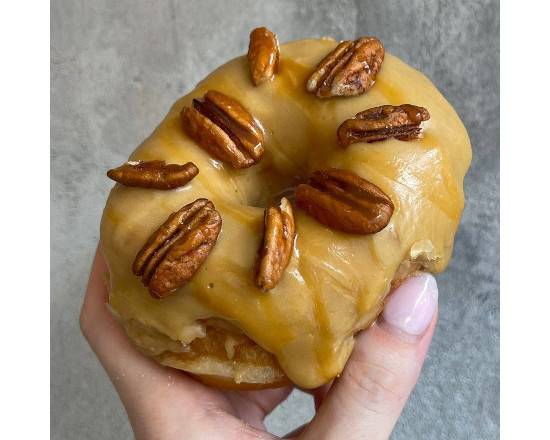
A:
216, 318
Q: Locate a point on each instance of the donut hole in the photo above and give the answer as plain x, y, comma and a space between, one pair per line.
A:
277, 185
269, 184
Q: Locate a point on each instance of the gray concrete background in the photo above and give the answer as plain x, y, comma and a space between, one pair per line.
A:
117, 66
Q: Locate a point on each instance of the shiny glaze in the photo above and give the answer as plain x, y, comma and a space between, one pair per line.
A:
335, 283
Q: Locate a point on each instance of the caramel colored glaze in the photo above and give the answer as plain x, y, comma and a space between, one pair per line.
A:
335, 283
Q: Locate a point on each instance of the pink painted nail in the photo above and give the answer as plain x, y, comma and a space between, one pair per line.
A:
411, 307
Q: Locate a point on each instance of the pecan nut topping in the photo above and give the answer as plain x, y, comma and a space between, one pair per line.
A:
263, 55
276, 249
378, 123
154, 174
176, 250
224, 128
348, 70
343, 201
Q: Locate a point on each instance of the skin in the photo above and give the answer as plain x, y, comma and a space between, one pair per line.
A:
164, 404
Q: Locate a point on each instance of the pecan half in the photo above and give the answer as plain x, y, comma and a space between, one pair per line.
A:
378, 123
344, 201
224, 128
348, 70
263, 55
176, 250
154, 174
276, 249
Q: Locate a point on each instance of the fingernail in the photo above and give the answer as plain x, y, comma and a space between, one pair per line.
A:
411, 307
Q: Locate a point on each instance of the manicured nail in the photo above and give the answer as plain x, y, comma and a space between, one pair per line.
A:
411, 307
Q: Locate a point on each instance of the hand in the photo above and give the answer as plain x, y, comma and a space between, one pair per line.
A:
364, 402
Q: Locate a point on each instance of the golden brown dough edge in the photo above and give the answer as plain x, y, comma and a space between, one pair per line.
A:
225, 358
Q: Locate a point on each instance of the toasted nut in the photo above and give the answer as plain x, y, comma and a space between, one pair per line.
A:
225, 129
348, 70
379, 123
345, 202
276, 249
263, 55
176, 250
154, 174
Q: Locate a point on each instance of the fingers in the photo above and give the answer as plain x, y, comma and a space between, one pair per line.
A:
366, 401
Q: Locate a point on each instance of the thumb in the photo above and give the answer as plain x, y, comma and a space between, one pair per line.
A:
366, 401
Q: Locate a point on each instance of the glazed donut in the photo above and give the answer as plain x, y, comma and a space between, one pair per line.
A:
219, 325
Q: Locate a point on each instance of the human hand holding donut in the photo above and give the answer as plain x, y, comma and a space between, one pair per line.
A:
259, 228
365, 401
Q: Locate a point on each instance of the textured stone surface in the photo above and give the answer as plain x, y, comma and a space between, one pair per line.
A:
116, 69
